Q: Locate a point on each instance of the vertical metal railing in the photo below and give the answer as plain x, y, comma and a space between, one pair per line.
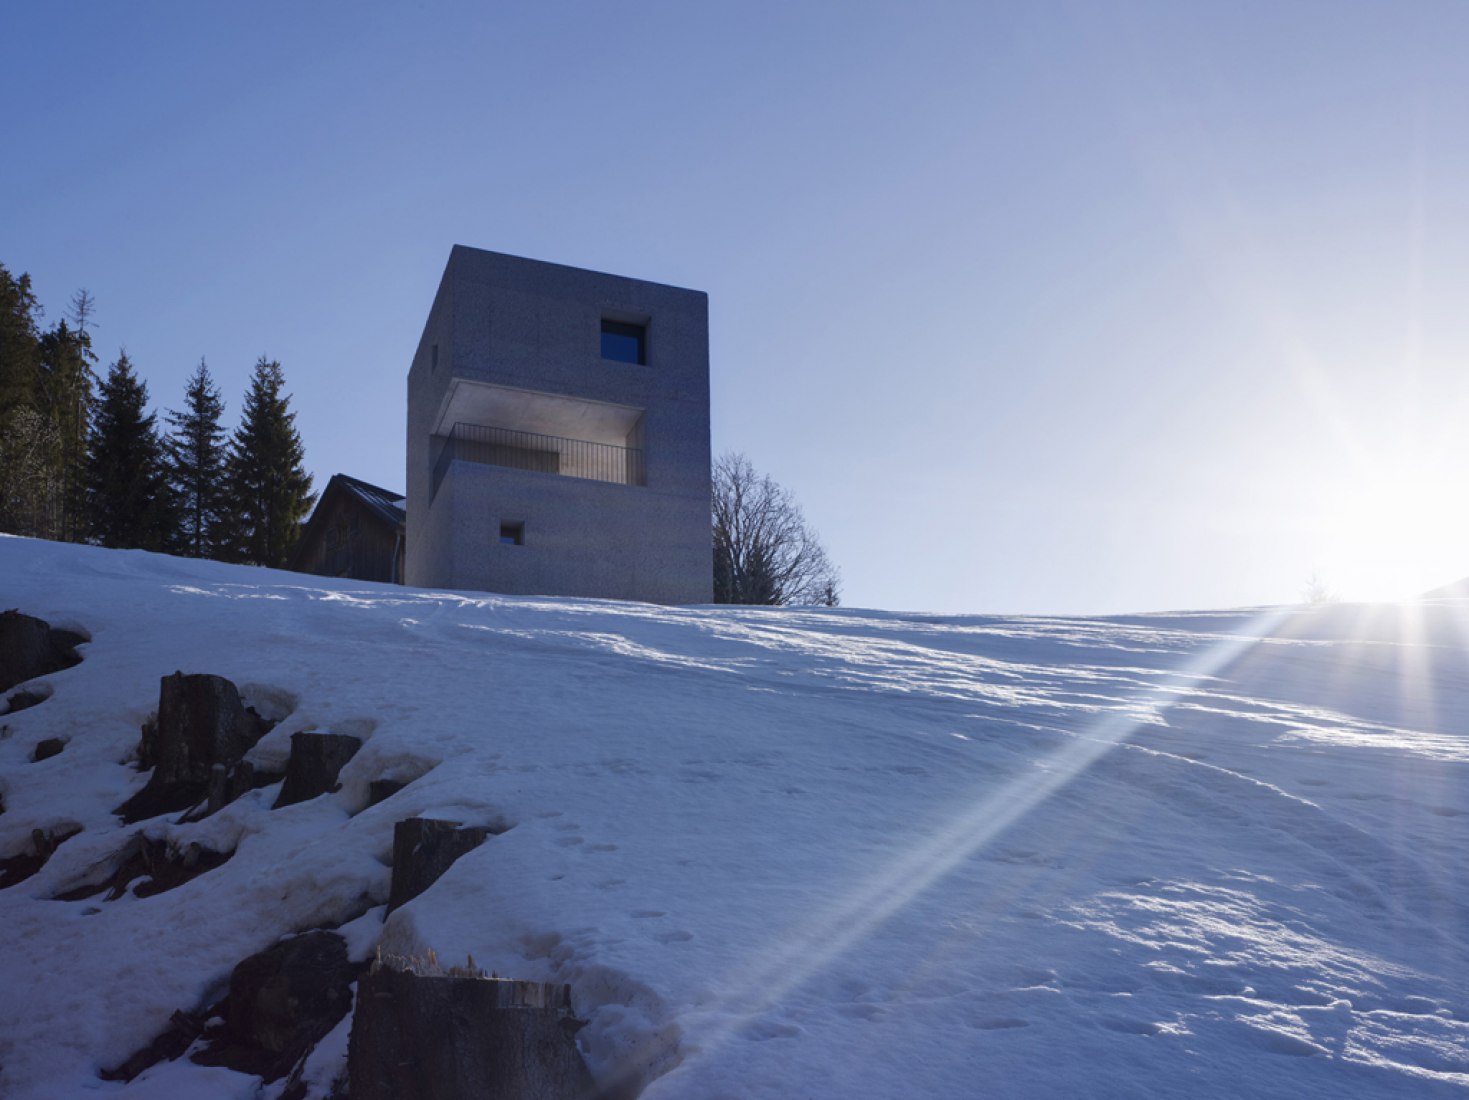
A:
545, 454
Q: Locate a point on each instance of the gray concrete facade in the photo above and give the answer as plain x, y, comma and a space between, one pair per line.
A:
538, 466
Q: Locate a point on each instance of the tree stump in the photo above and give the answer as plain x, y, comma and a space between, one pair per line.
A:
423, 849
31, 647
201, 725
316, 760
432, 1037
380, 790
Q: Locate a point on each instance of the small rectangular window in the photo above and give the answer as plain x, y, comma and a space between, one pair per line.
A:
512, 534
624, 341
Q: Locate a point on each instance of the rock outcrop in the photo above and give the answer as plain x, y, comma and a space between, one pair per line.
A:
281, 1002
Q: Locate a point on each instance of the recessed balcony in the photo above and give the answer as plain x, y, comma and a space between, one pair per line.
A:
545, 454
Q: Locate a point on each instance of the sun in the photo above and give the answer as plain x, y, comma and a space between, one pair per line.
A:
1393, 537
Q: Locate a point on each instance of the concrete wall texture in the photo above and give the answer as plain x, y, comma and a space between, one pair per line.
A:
516, 344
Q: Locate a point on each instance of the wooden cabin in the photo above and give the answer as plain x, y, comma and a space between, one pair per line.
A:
356, 531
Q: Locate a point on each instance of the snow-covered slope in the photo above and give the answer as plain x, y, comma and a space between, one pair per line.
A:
786, 853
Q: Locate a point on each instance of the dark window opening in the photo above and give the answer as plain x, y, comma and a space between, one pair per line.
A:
512, 534
624, 342
433, 359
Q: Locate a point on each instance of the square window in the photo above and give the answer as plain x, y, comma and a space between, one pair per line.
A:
512, 534
624, 341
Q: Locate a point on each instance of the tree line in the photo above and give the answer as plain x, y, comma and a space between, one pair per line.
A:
83, 460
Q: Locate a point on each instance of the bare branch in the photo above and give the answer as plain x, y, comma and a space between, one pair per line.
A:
764, 552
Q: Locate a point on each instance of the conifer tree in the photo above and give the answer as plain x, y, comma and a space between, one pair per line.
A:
196, 467
65, 398
27, 483
269, 488
20, 354
129, 503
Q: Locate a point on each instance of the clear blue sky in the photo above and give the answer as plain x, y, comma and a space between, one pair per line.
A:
1038, 307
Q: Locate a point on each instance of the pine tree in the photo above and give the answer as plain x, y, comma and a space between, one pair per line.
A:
128, 499
27, 484
20, 354
269, 488
66, 396
196, 467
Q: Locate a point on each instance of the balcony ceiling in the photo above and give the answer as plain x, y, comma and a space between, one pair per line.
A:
469, 402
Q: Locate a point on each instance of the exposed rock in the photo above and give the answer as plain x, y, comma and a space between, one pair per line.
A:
44, 843
46, 748
316, 759
423, 849
201, 726
183, 1028
417, 1037
31, 647
280, 1004
26, 698
166, 866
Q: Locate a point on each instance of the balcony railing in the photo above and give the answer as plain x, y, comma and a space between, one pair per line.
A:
546, 454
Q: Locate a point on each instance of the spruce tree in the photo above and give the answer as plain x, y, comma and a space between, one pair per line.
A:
128, 499
269, 488
27, 481
66, 396
196, 467
20, 353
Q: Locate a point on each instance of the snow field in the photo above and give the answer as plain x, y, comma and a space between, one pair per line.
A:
784, 853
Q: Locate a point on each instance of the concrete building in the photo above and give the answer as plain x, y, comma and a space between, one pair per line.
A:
558, 434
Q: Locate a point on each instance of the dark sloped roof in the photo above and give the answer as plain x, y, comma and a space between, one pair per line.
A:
384, 502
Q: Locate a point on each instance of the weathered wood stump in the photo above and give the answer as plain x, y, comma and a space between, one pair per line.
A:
201, 726
31, 647
316, 760
380, 790
432, 1037
423, 849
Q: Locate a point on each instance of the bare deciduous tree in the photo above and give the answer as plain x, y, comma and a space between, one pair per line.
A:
764, 552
